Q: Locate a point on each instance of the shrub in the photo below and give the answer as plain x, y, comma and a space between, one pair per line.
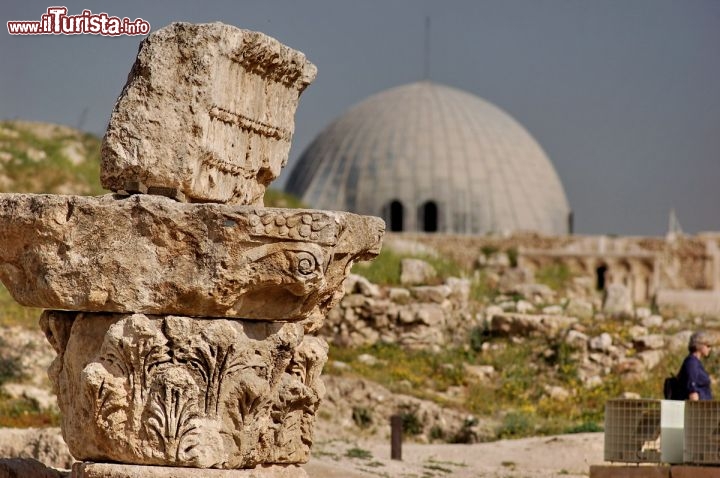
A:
362, 417
477, 337
585, 427
517, 424
437, 433
410, 421
9, 369
513, 256
488, 250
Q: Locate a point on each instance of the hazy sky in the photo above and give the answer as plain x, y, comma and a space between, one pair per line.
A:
623, 95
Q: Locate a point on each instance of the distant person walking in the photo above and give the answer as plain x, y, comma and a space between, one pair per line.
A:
694, 381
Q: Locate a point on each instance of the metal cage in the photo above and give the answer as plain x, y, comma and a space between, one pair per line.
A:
702, 432
632, 431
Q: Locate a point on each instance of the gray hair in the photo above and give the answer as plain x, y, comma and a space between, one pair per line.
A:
697, 340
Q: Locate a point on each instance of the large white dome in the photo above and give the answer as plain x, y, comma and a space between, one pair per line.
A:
427, 157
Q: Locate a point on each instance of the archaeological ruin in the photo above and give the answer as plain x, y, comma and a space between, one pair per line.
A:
183, 312
457, 167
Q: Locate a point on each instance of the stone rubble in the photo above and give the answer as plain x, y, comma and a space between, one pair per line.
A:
429, 318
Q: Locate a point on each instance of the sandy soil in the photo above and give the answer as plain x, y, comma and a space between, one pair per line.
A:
542, 457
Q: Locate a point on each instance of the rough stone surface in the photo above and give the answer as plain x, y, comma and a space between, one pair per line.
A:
551, 310
206, 115
459, 288
517, 324
649, 342
113, 470
348, 395
617, 300
24, 355
423, 317
415, 272
577, 339
356, 284
480, 372
430, 293
525, 307
42, 444
179, 391
579, 308
41, 397
153, 255
653, 321
28, 468
602, 342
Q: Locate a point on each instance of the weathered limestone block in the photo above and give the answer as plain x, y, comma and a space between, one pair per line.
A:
617, 300
114, 470
27, 467
415, 272
189, 392
207, 114
153, 255
517, 324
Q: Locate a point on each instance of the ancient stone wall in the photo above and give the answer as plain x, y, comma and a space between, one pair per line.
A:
645, 265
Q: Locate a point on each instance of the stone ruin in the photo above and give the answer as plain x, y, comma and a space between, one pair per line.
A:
183, 311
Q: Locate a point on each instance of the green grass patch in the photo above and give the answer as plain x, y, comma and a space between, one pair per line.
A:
277, 198
44, 165
359, 453
23, 413
515, 396
385, 269
555, 276
423, 369
12, 313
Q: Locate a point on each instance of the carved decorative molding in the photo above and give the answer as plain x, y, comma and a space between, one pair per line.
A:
180, 391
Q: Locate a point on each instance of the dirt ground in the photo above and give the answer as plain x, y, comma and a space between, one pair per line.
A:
540, 457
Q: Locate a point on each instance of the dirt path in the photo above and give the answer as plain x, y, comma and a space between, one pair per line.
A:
542, 457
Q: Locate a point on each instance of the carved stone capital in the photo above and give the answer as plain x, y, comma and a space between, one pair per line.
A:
188, 392
152, 255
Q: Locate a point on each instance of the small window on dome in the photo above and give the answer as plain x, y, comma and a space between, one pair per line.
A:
395, 213
429, 216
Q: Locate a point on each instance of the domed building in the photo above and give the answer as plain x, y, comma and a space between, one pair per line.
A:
428, 157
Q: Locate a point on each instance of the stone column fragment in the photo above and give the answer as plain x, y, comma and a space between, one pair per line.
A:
187, 392
153, 255
207, 115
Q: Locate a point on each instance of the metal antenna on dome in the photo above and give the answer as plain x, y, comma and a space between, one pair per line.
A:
426, 66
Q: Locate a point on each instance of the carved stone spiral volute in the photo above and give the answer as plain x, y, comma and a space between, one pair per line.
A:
305, 264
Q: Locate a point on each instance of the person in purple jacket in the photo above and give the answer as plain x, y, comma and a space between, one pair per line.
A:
693, 379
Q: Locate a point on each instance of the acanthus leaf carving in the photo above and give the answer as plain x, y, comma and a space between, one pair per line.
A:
180, 391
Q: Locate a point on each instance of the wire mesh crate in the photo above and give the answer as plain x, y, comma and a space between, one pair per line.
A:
702, 432
632, 431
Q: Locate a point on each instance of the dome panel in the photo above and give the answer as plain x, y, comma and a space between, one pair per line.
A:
454, 162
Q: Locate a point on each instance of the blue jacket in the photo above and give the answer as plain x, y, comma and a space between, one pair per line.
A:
694, 379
